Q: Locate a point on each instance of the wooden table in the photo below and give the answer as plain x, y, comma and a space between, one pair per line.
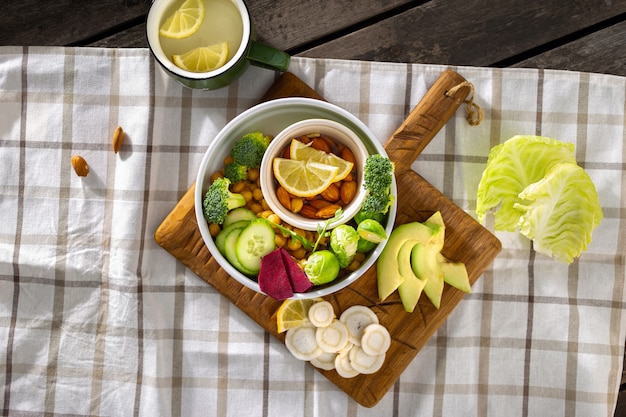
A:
578, 35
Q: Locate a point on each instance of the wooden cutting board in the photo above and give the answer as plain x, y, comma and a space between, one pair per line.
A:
466, 241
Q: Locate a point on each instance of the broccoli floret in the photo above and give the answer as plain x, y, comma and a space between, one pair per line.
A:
235, 172
218, 200
377, 203
249, 150
378, 174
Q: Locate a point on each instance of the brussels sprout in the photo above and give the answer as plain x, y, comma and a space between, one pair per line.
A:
372, 231
321, 267
343, 242
362, 215
365, 246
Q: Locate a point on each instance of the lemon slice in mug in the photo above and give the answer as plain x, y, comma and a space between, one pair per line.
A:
185, 21
303, 178
302, 152
203, 58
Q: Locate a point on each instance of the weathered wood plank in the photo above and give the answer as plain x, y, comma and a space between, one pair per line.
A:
462, 32
64, 22
603, 51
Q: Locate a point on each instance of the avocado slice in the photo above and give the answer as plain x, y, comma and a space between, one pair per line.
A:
411, 288
387, 267
426, 267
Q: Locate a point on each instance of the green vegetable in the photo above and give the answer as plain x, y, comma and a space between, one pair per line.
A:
249, 150
377, 203
378, 174
561, 213
377, 180
321, 267
344, 241
511, 167
533, 183
362, 215
365, 246
218, 200
371, 230
255, 241
236, 172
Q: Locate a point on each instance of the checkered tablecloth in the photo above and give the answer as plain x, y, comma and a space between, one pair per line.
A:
96, 319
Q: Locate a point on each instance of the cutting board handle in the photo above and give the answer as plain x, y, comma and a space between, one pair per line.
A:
426, 119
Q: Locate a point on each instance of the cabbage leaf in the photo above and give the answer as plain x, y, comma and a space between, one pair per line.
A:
511, 167
561, 213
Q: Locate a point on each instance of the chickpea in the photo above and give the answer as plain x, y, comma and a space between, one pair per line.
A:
280, 240
354, 265
256, 208
238, 187
216, 175
360, 256
257, 194
247, 194
299, 253
253, 174
228, 160
214, 229
274, 218
294, 244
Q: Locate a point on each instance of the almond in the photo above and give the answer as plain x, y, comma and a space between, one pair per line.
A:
80, 166
321, 145
284, 197
348, 191
348, 155
118, 139
319, 203
331, 193
308, 211
327, 212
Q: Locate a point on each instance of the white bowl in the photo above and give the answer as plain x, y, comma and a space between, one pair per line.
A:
271, 118
332, 129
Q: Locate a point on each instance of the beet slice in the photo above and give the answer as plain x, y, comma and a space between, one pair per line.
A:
298, 279
273, 277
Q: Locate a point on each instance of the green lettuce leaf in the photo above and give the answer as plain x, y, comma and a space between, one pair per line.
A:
511, 167
561, 213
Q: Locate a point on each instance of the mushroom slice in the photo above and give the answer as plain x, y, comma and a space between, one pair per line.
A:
343, 367
301, 342
325, 361
321, 314
357, 318
376, 339
333, 337
364, 363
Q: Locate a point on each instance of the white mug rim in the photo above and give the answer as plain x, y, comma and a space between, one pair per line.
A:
155, 13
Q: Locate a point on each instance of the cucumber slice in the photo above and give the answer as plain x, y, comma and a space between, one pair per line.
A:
237, 215
221, 236
230, 243
254, 242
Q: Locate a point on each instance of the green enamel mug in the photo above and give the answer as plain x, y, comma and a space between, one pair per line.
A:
223, 20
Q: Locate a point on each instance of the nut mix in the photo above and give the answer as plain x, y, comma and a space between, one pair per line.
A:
337, 195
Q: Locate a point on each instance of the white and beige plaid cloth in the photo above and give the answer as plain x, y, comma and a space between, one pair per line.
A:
96, 319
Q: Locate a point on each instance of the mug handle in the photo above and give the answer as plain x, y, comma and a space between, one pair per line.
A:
264, 56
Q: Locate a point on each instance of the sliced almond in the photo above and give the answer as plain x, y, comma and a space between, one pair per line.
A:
118, 139
80, 166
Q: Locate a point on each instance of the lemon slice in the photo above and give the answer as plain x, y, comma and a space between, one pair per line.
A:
301, 152
293, 313
185, 21
203, 58
303, 178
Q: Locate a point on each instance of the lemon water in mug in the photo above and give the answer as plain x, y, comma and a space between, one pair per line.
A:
222, 22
